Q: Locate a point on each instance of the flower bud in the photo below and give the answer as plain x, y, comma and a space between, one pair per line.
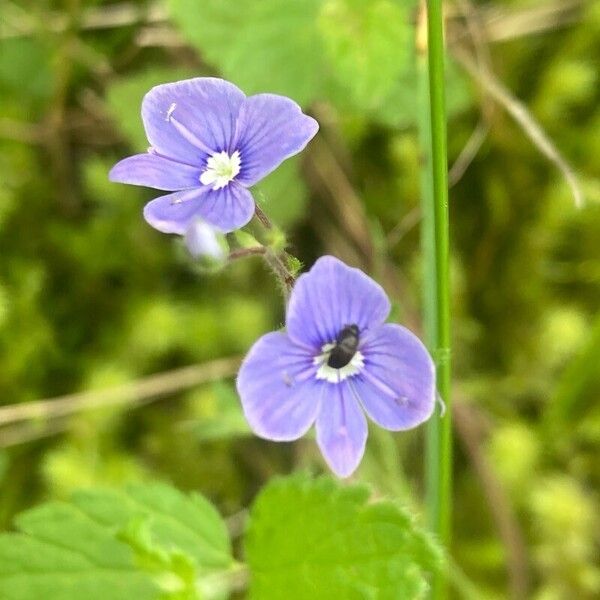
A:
206, 243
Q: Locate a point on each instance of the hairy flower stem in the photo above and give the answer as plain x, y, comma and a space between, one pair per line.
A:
262, 217
245, 252
277, 265
281, 271
276, 260
435, 246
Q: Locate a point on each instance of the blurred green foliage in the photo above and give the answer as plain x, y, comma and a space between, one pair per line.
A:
91, 297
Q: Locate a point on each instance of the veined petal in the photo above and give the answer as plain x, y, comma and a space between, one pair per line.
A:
397, 384
175, 212
329, 297
341, 429
151, 170
279, 393
270, 128
227, 208
191, 119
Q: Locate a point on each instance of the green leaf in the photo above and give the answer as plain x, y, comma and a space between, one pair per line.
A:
321, 539
62, 554
147, 542
187, 522
369, 45
261, 45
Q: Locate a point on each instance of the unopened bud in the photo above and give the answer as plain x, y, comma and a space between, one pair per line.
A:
206, 243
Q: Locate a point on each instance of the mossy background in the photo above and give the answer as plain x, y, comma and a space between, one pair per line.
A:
91, 297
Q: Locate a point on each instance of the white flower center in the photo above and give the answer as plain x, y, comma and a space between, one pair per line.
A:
336, 375
221, 169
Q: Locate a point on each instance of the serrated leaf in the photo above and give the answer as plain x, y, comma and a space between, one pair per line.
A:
321, 539
62, 554
261, 45
369, 46
186, 522
147, 542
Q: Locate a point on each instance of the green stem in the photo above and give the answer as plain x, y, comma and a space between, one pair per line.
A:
276, 259
283, 274
275, 262
436, 274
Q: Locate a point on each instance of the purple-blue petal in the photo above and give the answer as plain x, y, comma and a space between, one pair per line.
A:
175, 212
329, 297
226, 209
271, 128
341, 429
190, 119
397, 384
279, 393
151, 170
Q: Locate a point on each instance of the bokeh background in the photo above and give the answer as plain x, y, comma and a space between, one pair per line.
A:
93, 301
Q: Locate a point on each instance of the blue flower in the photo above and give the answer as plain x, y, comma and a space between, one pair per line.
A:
337, 360
208, 144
